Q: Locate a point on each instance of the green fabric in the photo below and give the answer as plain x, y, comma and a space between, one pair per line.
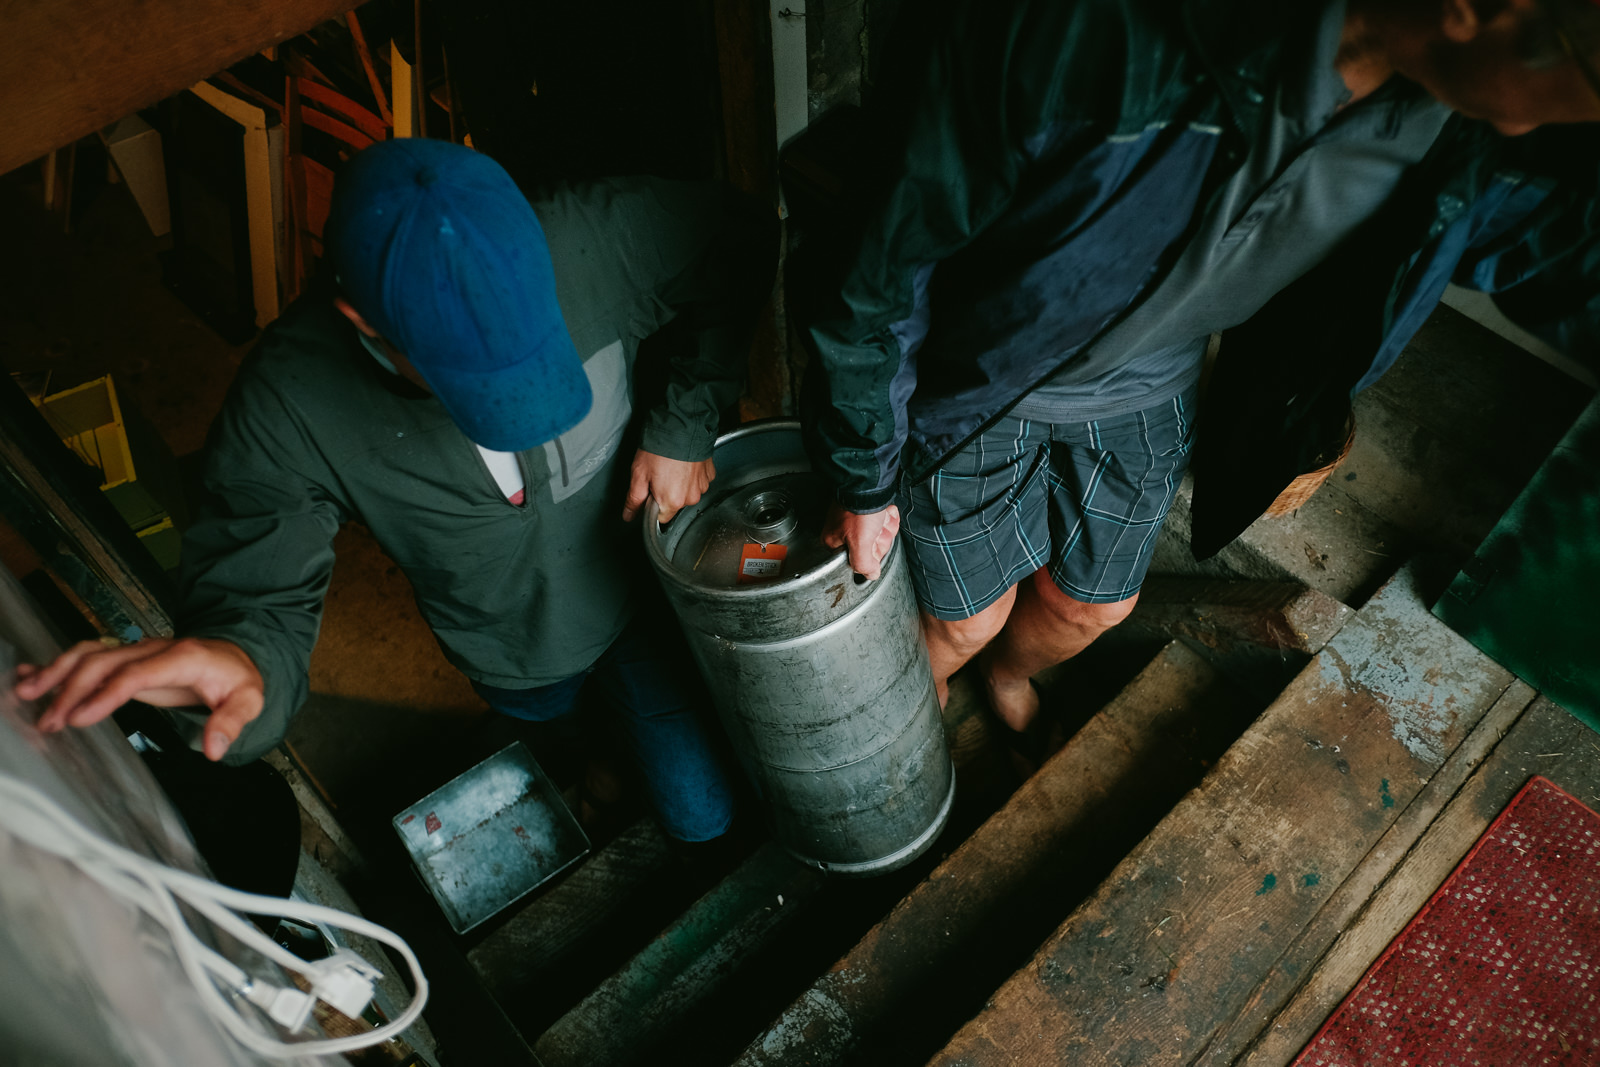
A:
315, 433
1529, 596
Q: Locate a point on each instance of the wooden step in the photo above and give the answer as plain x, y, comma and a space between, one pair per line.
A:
524, 962
1222, 614
940, 950
1258, 633
1201, 934
691, 959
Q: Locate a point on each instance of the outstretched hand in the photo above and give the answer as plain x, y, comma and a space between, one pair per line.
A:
92, 680
674, 484
867, 537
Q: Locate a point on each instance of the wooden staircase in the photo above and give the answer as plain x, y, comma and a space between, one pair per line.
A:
1264, 774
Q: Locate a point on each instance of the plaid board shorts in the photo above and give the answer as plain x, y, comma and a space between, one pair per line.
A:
1086, 498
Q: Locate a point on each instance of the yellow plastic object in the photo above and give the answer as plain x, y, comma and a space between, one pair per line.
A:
88, 419
162, 540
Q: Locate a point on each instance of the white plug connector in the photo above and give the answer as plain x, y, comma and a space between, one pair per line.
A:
343, 980
345, 983
290, 1008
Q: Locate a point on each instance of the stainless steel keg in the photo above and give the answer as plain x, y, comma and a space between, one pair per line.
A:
821, 680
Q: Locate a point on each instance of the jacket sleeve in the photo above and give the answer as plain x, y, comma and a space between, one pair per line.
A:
948, 134
258, 558
1545, 276
705, 255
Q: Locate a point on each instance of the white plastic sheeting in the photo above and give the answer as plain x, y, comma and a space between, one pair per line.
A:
85, 978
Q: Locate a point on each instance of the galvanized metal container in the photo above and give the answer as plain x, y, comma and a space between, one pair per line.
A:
821, 680
490, 836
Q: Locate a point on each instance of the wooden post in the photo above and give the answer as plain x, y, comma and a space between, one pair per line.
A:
750, 140
419, 81
258, 196
749, 123
405, 99
364, 54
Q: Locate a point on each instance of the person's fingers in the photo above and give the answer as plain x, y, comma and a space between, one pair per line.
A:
887, 532
884, 541
864, 559
83, 682
41, 680
671, 497
146, 676
693, 492
833, 527
240, 708
638, 493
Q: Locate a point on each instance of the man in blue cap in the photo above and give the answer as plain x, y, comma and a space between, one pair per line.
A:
463, 389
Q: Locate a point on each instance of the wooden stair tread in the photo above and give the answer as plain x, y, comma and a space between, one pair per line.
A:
1177, 941
690, 959
538, 938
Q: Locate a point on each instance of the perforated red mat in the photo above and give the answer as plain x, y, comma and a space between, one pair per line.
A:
1502, 967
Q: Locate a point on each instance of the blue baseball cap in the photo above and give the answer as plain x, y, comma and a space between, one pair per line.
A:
440, 252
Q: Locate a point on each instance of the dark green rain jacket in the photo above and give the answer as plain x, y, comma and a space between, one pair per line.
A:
1043, 167
314, 433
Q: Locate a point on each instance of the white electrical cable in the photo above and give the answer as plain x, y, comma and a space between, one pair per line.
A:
343, 980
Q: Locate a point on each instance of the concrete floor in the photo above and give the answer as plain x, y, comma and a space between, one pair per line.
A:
80, 304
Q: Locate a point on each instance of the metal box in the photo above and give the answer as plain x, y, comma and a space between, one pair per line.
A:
490, 836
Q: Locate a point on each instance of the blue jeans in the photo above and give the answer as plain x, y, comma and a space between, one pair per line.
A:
647, 681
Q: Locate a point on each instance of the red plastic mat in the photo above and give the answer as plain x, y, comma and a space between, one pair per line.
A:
1502, 967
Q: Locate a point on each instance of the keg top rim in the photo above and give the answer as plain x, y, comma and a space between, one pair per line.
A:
837, 565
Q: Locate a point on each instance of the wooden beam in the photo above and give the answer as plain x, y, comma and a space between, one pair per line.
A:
359, 38
750, 143
70, 67
749, 124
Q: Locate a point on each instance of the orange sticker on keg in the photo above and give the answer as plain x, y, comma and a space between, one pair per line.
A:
761, 563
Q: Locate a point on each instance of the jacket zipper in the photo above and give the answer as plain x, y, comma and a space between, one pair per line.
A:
561, 453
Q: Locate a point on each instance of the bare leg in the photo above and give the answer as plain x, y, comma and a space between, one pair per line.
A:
951, 643
1045, 627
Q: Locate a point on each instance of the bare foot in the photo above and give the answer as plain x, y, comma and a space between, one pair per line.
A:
1015, 701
